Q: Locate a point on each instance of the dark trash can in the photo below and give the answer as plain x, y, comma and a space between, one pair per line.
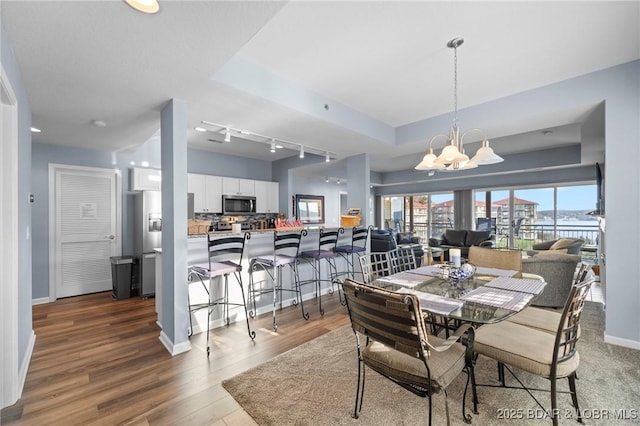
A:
121, 275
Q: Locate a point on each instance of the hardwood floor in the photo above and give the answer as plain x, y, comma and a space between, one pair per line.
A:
99, 361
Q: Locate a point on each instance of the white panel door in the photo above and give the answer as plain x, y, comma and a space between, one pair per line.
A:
86, 229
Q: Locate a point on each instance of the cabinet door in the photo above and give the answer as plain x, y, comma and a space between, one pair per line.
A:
142, 179
197, 185
246, 187
273, 197
262, 196
214, 194
230, 186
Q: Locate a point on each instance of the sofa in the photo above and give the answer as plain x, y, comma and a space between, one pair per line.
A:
571, 245
558, 271
463, 239
387, 240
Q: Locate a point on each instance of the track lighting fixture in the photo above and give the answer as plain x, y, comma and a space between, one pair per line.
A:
274, 143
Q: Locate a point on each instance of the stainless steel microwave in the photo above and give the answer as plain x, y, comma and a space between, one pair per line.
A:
238, 205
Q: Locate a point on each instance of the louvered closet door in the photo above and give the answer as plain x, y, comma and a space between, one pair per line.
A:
86, 230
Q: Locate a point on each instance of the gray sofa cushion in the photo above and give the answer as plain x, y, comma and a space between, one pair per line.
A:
475, 238
454, 238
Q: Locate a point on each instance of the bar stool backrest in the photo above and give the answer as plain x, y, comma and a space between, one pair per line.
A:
287, 243
328, 239
360, 236
226, 249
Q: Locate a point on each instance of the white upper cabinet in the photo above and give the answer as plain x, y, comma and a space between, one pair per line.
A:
207, 192
235, 186
267, 196
143, 179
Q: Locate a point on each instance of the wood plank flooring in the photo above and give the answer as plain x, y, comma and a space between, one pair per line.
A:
98, 361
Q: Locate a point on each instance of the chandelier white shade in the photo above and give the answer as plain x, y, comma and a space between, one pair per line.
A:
453, 157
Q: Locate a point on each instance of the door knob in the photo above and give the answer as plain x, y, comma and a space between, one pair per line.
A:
111, 237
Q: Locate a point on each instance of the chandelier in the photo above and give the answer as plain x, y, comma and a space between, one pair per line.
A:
453, 156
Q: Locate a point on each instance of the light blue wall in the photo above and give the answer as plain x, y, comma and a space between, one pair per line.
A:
330, 191
25, 328
198, 162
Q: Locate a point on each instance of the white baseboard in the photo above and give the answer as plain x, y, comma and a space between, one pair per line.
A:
24, 366
618, 341
171, 348
40, 301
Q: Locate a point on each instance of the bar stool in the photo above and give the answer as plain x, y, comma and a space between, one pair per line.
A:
359, 238
286, 246
327, 241
225, 258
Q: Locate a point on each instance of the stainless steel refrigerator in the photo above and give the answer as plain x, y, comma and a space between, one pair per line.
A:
147, 236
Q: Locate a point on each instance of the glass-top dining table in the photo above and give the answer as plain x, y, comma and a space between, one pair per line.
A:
490, 295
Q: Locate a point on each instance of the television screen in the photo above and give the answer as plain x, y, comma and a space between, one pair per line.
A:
486, 224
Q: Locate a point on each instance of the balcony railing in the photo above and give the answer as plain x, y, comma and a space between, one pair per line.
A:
527, 236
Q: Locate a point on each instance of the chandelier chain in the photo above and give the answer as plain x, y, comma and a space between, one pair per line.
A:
455, 86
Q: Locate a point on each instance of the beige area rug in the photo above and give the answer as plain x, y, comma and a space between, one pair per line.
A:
314, 384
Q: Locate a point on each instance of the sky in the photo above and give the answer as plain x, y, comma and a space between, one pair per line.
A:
569, 197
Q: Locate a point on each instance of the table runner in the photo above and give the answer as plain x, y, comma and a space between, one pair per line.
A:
434, 303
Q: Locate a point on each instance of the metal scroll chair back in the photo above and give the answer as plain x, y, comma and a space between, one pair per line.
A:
537, 351
496, 258
402, 259
374, 265
392, 339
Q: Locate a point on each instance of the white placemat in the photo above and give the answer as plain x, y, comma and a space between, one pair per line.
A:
522, 285
434, 303
404, 279
505, 299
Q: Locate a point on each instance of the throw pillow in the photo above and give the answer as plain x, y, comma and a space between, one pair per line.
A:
454, 238
562, 243
405, 237
474, 238
557, 251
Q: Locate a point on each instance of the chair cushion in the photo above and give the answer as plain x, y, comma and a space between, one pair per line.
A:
444, 366
474, 238
455, 238
349, 249
404, 237
562, 243
278, 261
541, 319
522, 347
317, 254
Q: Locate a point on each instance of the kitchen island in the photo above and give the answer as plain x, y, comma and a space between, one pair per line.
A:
260, 243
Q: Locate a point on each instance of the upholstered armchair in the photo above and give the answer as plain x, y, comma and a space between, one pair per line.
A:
558, 271
571, 245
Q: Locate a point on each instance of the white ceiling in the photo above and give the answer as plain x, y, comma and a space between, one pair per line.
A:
100, 60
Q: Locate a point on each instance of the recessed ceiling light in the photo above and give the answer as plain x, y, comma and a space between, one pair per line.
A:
200, 129
278, 146
99, 123
145, 6
35, 130
145, 164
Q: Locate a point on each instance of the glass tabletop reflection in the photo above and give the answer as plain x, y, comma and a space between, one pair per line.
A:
456, 299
